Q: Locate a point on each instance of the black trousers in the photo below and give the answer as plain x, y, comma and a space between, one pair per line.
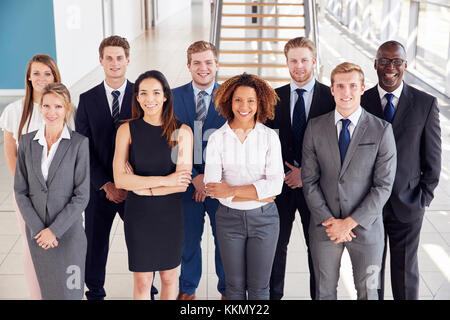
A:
287, 203
403, 240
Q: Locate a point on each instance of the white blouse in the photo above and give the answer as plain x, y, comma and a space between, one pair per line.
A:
47, 159
257, 161
10, 119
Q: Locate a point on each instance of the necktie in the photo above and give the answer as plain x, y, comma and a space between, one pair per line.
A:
201, 106
389, 110
115, 106
344, 138
299, 124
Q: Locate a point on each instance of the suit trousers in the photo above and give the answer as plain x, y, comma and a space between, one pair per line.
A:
366, 263
287, 203
403, 240
191, 259
99, 217
247, 241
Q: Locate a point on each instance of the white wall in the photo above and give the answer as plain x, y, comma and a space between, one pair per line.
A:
127, 18
78, 33
166, 8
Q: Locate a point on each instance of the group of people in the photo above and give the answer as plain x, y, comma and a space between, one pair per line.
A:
359, 166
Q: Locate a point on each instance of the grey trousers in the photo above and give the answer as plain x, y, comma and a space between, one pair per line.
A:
366, 264
247, 242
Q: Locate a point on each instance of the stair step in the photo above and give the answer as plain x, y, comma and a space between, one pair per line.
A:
251, 52
252, 65
261, 27
260, 4
255, 39
259, 15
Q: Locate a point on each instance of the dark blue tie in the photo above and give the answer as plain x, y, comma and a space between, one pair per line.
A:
389, 109
299, 124
115, 106
344, 138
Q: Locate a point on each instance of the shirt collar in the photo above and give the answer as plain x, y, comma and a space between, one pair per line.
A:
40, 135
208, 90
397, 92
308, 87
354, 117
122, 88
227, 129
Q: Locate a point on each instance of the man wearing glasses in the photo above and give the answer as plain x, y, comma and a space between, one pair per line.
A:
415, 121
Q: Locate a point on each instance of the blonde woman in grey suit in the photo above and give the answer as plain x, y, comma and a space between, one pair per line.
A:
51, 187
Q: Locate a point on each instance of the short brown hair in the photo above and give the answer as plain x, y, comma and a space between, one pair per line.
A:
300, 42
267, 97
200, 46
347, 67
114, 41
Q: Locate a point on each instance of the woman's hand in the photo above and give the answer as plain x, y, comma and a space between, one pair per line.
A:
219, 190
46, 239
180, 178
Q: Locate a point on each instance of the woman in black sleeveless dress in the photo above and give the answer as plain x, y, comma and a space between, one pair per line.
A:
153, 160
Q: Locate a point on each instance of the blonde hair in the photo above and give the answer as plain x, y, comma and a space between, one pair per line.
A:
200, 46
59, 90
300, 42
347, 67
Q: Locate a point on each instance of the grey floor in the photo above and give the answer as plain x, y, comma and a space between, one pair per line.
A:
164, 49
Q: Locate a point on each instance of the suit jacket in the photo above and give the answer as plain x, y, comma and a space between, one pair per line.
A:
418, 138
185, 111
94, 120
322, 102
360, 186
59, 202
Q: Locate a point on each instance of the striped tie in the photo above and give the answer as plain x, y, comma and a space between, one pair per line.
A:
115, 106
201, 106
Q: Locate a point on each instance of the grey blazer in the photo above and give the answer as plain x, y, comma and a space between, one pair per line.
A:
360, 186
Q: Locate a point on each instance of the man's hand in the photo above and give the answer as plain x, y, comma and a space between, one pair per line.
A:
200, 189
340, 230
294, 178
113, 194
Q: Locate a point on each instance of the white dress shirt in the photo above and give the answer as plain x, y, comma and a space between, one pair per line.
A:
354, 118
110, 97
397, 92
257, 161
47, 159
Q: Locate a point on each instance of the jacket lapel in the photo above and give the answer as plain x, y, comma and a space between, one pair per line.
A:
36, 156
212, 113
373, 102
64, 145
404, 104
356, 138
125, 110
285, 105
332, 139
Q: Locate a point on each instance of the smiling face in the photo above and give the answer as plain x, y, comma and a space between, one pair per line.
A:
244, 105
114, 62
203, 68
347, 90
40, 76
389, 75
151, 97
53, 110
300, 62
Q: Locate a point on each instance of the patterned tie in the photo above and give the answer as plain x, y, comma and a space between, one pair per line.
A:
389, 109
299, 124
201, 106
115, 106
344, 138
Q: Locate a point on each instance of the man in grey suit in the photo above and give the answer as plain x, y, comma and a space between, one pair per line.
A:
349, 163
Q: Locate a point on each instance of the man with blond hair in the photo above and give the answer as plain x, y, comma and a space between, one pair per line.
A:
194, 106
301, 100
348, 169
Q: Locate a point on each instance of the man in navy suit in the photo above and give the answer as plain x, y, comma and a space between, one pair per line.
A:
194, 106
414, 115
99, 113
301, 100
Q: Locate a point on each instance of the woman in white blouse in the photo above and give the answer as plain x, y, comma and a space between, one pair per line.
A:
244, 170
51, 186
21, 117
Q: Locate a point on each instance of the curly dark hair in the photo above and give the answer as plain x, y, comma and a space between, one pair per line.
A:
266, 95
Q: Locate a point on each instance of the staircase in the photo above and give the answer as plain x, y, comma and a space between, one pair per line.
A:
250, 35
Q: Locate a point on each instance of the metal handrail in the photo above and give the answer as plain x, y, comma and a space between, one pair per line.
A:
216, 22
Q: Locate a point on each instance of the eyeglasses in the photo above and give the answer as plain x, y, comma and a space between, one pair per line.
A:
395, 62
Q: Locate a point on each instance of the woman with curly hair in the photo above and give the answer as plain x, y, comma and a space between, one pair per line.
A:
244, 170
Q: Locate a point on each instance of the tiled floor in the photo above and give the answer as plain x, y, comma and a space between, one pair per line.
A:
164, 49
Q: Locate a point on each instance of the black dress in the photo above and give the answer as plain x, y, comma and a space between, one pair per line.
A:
153, 224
